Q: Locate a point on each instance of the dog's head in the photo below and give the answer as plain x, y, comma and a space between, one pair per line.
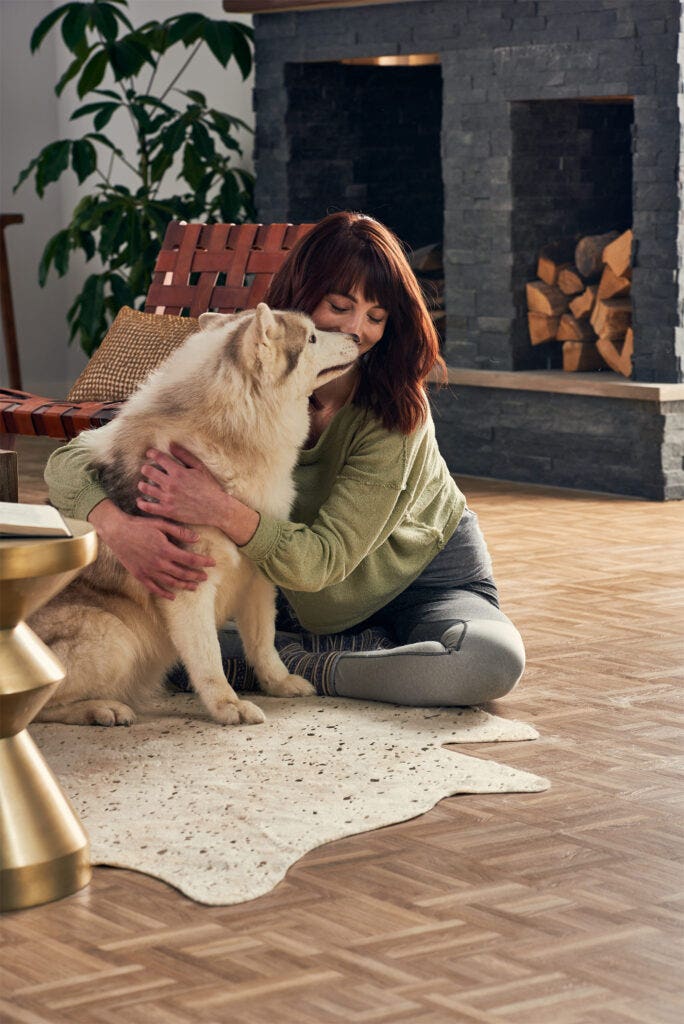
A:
279, 349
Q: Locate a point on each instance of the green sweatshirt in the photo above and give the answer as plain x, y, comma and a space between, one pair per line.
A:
373, 508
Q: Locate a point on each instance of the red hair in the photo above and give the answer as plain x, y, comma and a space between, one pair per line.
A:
346, 251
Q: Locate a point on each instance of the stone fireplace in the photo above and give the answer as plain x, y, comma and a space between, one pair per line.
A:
491, 128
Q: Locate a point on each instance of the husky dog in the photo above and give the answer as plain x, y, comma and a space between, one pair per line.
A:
237, 395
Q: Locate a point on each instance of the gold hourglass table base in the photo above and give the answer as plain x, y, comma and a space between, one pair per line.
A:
46, 853
44, 850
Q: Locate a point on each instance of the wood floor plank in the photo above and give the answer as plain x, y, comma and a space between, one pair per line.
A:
562, 907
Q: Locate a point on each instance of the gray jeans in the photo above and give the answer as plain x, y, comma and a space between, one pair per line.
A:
454, 647
442, 642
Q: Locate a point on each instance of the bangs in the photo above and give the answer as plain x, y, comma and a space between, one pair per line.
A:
369, 272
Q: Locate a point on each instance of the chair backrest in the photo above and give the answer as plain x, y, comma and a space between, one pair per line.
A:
219, 267
200, 267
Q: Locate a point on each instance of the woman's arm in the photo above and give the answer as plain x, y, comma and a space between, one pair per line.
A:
368, 499
147, 548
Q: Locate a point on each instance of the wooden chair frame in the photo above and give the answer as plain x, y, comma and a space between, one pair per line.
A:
200, 267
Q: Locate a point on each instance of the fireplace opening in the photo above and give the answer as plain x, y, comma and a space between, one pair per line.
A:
365, 135
571, 178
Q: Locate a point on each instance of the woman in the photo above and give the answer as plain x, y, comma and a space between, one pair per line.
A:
381, 548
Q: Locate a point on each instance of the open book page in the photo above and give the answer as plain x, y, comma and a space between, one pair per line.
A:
17, 520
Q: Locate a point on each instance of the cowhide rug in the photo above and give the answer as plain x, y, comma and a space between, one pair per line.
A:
222, 813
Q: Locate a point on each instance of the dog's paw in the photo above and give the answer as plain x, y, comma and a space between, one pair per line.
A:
234, 712
250, 714
290, 686
110, 712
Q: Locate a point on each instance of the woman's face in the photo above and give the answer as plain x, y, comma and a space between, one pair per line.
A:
351, 313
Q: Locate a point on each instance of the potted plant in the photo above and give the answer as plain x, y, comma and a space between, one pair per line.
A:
182, 166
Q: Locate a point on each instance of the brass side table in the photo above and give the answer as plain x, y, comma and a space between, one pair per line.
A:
44, 851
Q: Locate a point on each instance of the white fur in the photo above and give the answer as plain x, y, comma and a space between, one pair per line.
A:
230, 394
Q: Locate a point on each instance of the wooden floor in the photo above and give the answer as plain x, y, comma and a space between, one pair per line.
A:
561, 907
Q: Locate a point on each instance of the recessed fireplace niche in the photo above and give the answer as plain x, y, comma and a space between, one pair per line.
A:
571, 173
365, 135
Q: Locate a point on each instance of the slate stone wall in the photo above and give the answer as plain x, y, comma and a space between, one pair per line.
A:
614, 445
498, 61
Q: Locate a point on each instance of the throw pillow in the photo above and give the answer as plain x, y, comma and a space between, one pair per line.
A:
135, 344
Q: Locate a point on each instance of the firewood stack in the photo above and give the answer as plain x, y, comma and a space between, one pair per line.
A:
428, 265
582, 299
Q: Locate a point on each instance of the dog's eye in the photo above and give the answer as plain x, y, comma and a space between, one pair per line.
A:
312, 339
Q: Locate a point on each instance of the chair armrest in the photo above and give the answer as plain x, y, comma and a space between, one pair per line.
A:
35, 416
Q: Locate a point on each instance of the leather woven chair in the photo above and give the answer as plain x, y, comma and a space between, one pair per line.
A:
223, 267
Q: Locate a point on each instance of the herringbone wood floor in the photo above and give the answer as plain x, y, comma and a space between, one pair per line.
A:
561, 907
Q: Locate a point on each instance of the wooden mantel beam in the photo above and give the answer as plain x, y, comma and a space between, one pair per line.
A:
278, 6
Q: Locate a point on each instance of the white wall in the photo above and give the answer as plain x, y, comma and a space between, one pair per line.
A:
31, 116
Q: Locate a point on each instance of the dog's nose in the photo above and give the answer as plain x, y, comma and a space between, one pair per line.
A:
355, 338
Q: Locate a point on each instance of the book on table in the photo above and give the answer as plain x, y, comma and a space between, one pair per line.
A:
18, 520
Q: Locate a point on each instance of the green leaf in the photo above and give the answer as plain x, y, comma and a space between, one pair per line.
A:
74, 28
85, 215
99, 137
169, 141
127, 56
203, 141
44, 26
111, 225
52, 162
56, 252
156, 123
120, 14
142, 117
71, 72
154, 101
196, 97
185, 28
87, 243
225, 124
90, 108
159, 215
242, 50
25, 173
83, 159
103, 17
93, 73
154, 36
194, 168
160, 165
121, 292
229, 198
91, 322
218, 36
105, 115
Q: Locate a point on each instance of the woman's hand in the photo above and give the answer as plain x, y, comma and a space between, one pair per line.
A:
148, 548
185, 491
182, 489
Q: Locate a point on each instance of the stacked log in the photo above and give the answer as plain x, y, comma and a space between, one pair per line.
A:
581, 299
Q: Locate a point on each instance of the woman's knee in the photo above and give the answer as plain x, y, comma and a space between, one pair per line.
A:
494, 654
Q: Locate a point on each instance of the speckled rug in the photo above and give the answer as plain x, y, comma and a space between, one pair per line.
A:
222, 813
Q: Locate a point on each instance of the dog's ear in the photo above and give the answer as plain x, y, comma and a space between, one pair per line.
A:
266, 324
216, 319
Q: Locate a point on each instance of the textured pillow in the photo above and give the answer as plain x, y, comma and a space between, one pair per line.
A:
135, 344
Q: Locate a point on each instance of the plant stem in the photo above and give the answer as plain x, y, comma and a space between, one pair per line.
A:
160, 53
174, 80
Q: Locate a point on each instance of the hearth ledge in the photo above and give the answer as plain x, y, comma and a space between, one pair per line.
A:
599, 385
